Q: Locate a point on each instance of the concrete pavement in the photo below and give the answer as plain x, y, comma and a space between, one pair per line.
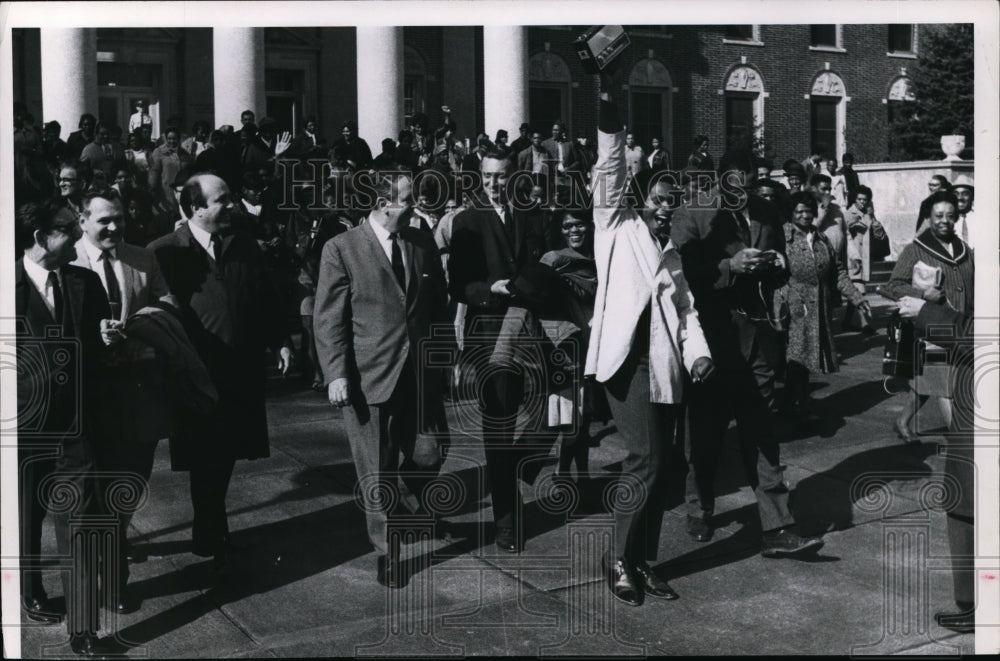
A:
305, 583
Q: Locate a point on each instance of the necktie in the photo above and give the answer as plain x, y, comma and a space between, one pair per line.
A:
965, 229
217, 248
114, 291
744, 226
508, 224
57, 297
397, 261
107, 150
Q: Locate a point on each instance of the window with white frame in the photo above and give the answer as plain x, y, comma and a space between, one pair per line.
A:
826, 37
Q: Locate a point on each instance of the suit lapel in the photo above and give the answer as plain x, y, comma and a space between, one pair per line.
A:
74, 298
30, 304
377, 253
415, 259
128, 280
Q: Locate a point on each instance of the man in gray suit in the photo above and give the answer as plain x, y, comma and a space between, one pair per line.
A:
380, 289
133, 411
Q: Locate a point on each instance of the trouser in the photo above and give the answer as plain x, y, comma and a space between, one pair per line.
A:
647, 430
210, 479
378, 434
747, 394
66, 485
125, 469
796, 384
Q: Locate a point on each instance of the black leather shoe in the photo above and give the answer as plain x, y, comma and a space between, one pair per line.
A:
90, 646
506, 541
620, 582
652, 584
784, 542
964, 622
698, 529
387, 572
126, 602
41, 610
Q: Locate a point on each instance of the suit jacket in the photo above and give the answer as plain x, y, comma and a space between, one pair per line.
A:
367, 327
660, 160
231, 313
482, 253
134, 405
635, 273
76, 142
51, 404
526, 160
94, 154
143, 281
706, 239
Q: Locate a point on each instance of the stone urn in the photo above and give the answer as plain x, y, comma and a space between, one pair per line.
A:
952, 146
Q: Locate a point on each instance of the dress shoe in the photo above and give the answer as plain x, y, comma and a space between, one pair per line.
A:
869, 331
964, 622
387, 572
698, 528
505, 540
620, 582
652, 584
90, 646
126, 602
40, 609
784, 542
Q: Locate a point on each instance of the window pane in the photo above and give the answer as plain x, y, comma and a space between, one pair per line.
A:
647, 116
744, 32
900, 38
739, 122
824, 126
823, 35
544, 107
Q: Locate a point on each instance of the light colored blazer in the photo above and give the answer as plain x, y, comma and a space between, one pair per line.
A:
632, 272
143, 281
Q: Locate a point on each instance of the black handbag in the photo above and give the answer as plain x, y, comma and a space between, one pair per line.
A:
900, 350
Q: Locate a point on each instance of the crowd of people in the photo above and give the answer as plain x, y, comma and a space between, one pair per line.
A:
177, 264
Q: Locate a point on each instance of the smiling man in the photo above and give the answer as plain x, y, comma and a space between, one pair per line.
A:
231, 313
132, 413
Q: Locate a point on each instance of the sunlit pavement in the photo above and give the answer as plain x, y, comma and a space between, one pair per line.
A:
304, 582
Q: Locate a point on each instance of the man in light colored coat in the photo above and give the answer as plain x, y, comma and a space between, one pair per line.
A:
645, 339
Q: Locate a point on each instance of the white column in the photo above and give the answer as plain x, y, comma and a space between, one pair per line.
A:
380, 84
69, 76
238, 70
505, 77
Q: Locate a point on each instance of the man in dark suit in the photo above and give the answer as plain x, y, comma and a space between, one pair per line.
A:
380, 289
61, 310
231, 314
132, 411
732, 255
489, 244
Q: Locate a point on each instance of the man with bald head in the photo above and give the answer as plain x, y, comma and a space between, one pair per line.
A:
232, 313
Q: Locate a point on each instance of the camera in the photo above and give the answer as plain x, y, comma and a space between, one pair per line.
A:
47, 373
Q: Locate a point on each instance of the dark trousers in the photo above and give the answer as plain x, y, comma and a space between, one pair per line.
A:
209, 485
124, 466
66, 484
747, 395
379, 434
647, 430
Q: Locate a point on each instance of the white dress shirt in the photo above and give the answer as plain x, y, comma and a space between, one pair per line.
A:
203, 238
96, 257
382, 234
39, 277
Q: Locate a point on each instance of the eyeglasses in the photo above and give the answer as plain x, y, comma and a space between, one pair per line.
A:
67, 180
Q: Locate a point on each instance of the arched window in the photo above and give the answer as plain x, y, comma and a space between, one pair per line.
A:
549, 90
900, 106
744, 91
650, 104
414, 83
828, 114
